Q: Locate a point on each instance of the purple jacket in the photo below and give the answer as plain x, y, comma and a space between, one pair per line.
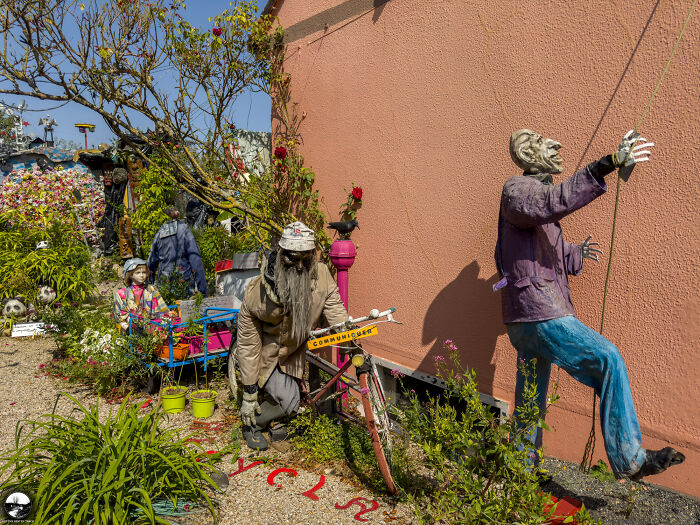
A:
531, 253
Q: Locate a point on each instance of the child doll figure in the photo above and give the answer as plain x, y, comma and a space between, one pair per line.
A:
137, 298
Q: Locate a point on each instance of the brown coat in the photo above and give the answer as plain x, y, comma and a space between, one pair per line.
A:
264, 337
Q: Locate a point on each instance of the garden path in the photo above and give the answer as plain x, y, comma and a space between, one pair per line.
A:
26, 393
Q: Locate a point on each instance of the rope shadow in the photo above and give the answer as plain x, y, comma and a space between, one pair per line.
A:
617, 87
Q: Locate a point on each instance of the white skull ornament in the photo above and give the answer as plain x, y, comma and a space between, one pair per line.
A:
46, 295
14, 308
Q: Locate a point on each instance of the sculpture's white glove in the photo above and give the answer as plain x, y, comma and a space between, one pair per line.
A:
249, 408
632, 150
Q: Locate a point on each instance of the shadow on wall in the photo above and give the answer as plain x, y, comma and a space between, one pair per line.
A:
467, 311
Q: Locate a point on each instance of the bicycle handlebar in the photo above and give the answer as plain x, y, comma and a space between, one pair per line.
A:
373, 314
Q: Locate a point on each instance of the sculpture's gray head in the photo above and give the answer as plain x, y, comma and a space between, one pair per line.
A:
535, 154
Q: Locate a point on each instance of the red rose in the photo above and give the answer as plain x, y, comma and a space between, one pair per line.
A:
281, 152
357, 193
217, 31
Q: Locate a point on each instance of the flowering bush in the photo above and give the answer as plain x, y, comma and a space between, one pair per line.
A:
480, 461
91, 351
96, 346
33, 193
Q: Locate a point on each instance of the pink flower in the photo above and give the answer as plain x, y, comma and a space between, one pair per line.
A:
364, 391
217, 31
439, 358
397, 373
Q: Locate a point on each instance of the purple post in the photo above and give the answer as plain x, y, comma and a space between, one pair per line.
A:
342, 256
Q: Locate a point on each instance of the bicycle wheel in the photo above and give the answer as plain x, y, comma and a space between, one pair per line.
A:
372, 426
381, 414
234, 375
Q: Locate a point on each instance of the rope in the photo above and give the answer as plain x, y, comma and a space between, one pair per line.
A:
587, 459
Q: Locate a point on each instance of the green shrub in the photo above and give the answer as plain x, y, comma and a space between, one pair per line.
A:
475, 470
216, 244
64, 266
323, 440
156, 190
82, 471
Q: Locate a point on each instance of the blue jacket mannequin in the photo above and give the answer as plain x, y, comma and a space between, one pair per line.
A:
174, 247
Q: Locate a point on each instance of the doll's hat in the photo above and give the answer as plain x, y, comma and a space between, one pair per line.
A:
131, 264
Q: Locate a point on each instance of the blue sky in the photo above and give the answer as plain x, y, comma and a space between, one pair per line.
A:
251, 110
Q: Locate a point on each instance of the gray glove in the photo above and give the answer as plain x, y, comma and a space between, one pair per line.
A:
249, 408
587, 250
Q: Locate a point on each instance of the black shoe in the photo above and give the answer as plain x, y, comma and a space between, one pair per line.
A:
657, 461
254, 439
278, 432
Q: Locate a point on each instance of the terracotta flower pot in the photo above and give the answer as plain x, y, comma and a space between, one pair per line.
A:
180, 351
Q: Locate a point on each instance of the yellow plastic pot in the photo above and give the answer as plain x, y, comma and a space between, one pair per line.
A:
174, 400
203, 403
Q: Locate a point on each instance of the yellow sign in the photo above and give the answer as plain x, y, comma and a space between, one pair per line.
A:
342, 337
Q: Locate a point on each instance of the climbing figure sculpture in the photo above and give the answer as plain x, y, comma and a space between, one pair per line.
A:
535, 261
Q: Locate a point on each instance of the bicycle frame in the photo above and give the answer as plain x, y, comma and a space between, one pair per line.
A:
362, 387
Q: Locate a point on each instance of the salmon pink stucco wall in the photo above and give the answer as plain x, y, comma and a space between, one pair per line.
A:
415, 101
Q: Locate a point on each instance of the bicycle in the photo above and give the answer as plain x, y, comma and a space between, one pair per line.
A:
366, 382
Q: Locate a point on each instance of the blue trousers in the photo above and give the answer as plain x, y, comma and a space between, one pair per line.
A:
594, 361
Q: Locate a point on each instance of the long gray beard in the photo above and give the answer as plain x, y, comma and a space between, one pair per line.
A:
295, 294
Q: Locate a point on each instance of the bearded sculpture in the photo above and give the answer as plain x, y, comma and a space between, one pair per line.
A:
279, 309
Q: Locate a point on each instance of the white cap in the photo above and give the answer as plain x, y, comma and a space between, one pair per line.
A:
297, 237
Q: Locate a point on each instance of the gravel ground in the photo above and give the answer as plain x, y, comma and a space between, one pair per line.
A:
26, 394
610, 501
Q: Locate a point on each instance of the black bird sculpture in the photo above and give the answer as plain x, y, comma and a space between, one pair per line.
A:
344, 228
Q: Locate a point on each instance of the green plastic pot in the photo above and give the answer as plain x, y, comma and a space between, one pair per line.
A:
174, 400
203, 403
